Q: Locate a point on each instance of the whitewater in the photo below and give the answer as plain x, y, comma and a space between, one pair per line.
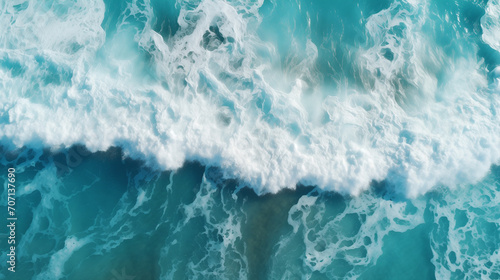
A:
272, 105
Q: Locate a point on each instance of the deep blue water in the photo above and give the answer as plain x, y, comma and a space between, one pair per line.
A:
235, 139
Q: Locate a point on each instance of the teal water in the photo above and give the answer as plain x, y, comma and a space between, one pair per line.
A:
112, 217
242, 139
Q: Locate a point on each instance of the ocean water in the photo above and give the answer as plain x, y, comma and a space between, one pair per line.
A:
210, 139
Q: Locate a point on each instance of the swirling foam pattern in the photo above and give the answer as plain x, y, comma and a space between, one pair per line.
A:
106, 217
135, 126
326, 94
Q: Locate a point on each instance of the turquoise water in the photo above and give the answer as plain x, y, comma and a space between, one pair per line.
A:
240, 139
112, 218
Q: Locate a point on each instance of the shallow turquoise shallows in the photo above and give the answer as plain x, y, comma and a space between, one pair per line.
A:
250, 139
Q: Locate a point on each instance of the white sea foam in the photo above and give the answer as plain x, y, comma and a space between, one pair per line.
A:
219, 254
464, 242
491, 25
211, 93
342, 239
55, 269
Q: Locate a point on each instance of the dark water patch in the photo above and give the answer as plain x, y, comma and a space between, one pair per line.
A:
266, 222
212, 38
165, 18
112, 14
